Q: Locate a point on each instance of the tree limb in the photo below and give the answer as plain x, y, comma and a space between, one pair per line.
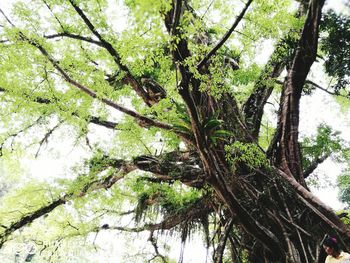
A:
91, 119
323, 211
52, 13
105, 123
104, 183
253, 108
74, 36
47, 136
153, 241
222, 241
180, 53
113, 52
159, 167
29, 218
184, 167
15, 134
288, 154
91, 93
7, 19
324, 89
176, 16
196, 211
225, 37
312, 167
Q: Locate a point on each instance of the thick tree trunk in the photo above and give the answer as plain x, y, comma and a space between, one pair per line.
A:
278, 219
269, 212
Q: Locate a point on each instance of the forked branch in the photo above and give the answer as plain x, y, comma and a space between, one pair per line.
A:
104, 183
129, 79
158, 167
287, 151
225, 37
93, 94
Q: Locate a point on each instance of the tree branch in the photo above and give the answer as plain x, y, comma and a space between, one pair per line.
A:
105, 123
225, 37
196, 211
253, 108
104, 183
176, 16
182, 166
57, 19
46, 137
29, 218
222, 241
180, 53
15, 134
173, 163
323, 211
74, 36
91, 93
153, 241
129, 79
324, 89
92, 119
312, 167
288, 155
7, 19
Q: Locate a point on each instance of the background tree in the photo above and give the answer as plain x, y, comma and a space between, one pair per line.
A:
185, 99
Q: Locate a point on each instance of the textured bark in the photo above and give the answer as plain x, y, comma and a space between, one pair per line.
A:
279, 232
169, 167
253, 108
27, 219
268, 210
288, 155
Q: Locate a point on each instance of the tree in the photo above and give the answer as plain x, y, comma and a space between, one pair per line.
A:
197, 90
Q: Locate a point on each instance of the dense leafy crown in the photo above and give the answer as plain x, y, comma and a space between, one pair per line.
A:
164, 102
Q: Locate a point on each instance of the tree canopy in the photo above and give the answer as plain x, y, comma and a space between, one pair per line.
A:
181, 88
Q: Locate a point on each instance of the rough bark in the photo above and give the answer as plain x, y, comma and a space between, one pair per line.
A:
288, 154
276, 217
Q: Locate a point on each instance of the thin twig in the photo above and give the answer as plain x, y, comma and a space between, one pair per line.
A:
46, 137
47, 5
8, 20
74, 36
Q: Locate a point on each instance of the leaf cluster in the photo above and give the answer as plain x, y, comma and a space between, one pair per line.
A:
343, 182
248, 153
327, 142
164, 198
335, 44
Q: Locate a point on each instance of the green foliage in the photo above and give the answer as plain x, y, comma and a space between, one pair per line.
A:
258, 29
214, 132
37, 194
343, 182
344, 216
248, 153
279, 18
266, 133
165, 198
35, 96
326, 143
335, 43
